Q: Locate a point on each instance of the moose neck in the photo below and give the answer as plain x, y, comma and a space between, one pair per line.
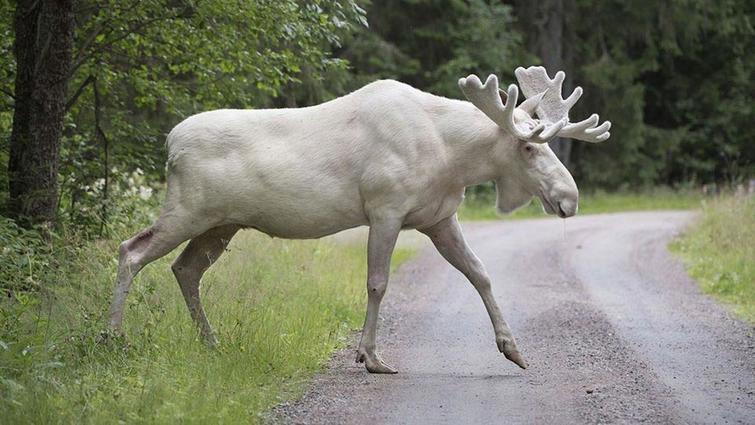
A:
472, 140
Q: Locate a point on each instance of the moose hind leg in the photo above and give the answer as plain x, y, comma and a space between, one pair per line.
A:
148, 245
189, 267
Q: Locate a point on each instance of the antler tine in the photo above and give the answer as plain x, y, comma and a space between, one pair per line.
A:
553, 108
486, 98
588, 130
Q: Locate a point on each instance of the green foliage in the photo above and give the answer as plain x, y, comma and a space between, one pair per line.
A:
425, 43
430, 44
26, 259
190, 56
280, 308
718, 252
141, 66
675, 78
35, 260
131, 202
7, 75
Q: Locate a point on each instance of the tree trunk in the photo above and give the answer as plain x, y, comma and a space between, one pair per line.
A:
44, 38
543, 23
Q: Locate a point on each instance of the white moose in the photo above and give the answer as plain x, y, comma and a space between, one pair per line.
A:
387, 155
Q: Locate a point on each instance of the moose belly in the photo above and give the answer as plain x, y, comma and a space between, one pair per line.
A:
312, 227
304, 214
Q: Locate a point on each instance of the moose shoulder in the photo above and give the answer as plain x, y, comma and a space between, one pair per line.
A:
387, 155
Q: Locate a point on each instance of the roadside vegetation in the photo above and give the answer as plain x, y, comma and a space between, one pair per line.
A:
79, 174
481, 205
720, 254
280, 308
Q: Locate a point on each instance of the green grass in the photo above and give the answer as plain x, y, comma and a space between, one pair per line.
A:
483, 207
280, 308
719, 252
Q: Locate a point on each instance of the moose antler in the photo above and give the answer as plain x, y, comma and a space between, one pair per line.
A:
487, 99
543, 99
552, 108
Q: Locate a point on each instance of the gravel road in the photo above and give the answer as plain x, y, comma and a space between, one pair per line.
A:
613, 329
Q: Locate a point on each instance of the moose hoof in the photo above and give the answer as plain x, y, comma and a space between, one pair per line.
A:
517, 358
109, 335
373, 363
211, 341
508, 348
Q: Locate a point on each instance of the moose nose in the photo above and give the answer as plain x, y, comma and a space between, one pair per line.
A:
567, 208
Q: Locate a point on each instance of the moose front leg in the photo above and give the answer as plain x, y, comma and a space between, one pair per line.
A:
448, 239
382, 239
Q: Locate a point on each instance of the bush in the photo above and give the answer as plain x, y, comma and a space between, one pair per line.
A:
27, 258
131, 204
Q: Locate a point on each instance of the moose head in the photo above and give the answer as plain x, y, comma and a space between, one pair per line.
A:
534, 170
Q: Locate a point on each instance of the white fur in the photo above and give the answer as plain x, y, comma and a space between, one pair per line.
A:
386, 149
387, 155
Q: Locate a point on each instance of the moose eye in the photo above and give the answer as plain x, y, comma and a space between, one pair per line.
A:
528, 148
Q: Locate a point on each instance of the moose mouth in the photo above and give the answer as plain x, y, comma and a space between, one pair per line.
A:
561, 212
550, 208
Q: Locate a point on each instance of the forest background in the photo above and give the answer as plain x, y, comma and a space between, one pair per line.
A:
95, 85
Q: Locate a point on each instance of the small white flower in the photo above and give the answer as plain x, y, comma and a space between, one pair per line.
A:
145, 192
